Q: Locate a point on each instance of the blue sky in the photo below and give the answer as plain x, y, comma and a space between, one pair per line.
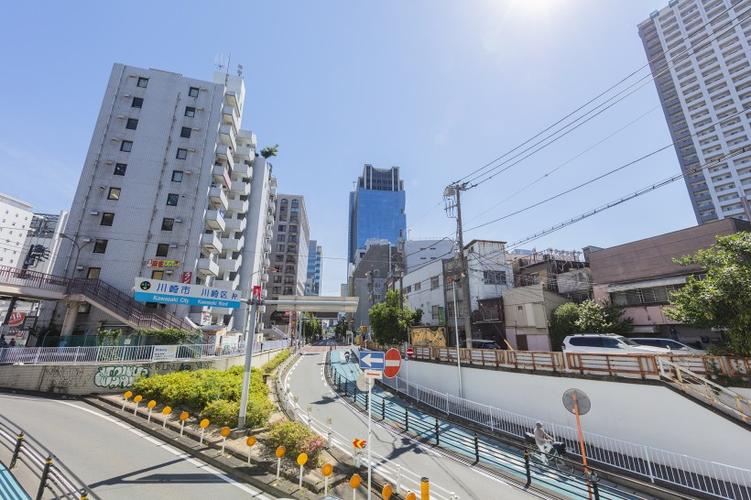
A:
438, 87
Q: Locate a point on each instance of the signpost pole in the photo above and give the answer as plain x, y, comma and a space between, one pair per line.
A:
581, 441
370, 419
249, 334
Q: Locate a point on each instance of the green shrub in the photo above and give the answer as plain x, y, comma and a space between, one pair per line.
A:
223, 412
297, 438
276, 361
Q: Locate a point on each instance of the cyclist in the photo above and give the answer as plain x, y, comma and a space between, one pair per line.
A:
544, 442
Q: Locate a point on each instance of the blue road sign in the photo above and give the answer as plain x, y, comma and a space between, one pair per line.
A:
371, 360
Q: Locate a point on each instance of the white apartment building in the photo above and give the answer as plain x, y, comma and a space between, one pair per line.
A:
15, 219
420, 252
699, 53
424, 289
165, 192
45, 230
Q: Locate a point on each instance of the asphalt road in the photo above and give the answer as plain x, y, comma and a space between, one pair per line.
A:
447, 475
116, 460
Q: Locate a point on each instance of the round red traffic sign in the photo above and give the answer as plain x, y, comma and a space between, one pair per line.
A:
392, 363
410, 351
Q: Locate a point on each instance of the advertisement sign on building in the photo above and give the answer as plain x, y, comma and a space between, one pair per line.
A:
170, 292
186, 277
163, 263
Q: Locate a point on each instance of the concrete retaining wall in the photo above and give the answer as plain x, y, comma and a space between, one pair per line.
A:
96, 379
646, 414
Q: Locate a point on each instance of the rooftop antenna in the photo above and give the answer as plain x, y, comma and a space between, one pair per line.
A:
240, 70
221, 61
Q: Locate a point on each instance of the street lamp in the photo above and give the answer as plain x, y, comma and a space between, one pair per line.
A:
78, 251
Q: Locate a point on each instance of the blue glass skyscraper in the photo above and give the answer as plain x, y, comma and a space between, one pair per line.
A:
376, 208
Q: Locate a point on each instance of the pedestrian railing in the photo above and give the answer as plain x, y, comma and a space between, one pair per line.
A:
653, 464
54, 477
127, 354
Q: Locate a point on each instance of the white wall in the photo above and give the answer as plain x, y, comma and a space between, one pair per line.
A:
15, 218
425, 298
639, 413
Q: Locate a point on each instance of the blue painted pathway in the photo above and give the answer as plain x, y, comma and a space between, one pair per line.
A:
9, 487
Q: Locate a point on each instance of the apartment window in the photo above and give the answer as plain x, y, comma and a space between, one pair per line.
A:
172, 199
434, 312
185, 132
434, 282
167, 224
120, 168
494, 277
177, 176
190, 111
193, 91
281, 237
126, 146
100, 246
408, 289
277, 290
282, 228
182, 153
162, 249
131, 124
113, 194
280, 248
278, 258
107, 219
277, 279
417, 286
157, 275
93, 273
142, 82
292, 228
137, 102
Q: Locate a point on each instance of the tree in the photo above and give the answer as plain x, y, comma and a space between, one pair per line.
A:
311, 326
341, 328
563, 323
417, 317
270, 151
596, 317
722, 297
389, 321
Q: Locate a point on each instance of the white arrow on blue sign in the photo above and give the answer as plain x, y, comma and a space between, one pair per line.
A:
371, 360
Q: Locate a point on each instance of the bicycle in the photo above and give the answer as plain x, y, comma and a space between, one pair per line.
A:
555, 456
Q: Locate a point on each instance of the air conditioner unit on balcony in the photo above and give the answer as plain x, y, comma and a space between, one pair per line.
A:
79, 268
173, 245
122, 117
126, 95
178, 220
94, 212
188, 172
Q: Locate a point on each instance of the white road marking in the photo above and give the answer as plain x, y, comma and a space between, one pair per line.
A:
184, 456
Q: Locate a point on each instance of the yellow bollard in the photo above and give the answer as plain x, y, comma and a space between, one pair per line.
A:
302, 459
387, 491
425, 489
166, 412
354, 483
280, 451
250, 441
126, 396
137, 400
326, 470
224, 431
411, 496
203, 424
183, 417
150, 405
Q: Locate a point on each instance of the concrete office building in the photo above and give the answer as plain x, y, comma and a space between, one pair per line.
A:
369, 279
699, 53
15, 220
376, 209
289, 252
421, 252
45, 230
165, 192
313, 282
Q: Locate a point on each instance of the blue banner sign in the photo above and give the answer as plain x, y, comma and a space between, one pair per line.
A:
171, 292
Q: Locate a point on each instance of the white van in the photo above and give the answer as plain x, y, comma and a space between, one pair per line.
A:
607, 343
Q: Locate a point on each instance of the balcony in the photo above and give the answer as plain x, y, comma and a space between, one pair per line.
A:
208, 266
227, 284
230, 116
218, 198
240, 187
243, 169
211, 242
230, 265
223, 152
215, 220
236, 225
239, 206
227, 136
245, 153
233, 245
221, 175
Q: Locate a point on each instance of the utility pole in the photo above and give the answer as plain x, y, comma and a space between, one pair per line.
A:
452, 194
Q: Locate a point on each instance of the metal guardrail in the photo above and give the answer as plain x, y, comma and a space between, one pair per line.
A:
643, 366
654, 464
126, 354
54, 476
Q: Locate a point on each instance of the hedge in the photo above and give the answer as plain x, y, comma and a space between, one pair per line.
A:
297, 438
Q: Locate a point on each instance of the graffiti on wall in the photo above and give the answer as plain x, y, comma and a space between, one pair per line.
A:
119, 377
60, 378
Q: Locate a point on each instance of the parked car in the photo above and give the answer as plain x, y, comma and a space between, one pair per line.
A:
485, 344
672, 345
607, 343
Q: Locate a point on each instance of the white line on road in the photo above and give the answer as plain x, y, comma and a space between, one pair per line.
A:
184, 456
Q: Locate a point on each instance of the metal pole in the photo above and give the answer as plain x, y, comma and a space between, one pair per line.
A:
370, 444
250, 329
465, 269
581, 442
456, 328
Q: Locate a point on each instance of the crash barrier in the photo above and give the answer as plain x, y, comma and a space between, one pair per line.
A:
54, 476
643, 366
541, 470
128, 354
654, 464
402, 480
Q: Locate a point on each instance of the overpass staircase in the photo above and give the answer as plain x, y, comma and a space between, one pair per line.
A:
105, 297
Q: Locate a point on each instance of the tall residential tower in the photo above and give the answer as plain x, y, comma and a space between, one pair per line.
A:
699, 53
315, 255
